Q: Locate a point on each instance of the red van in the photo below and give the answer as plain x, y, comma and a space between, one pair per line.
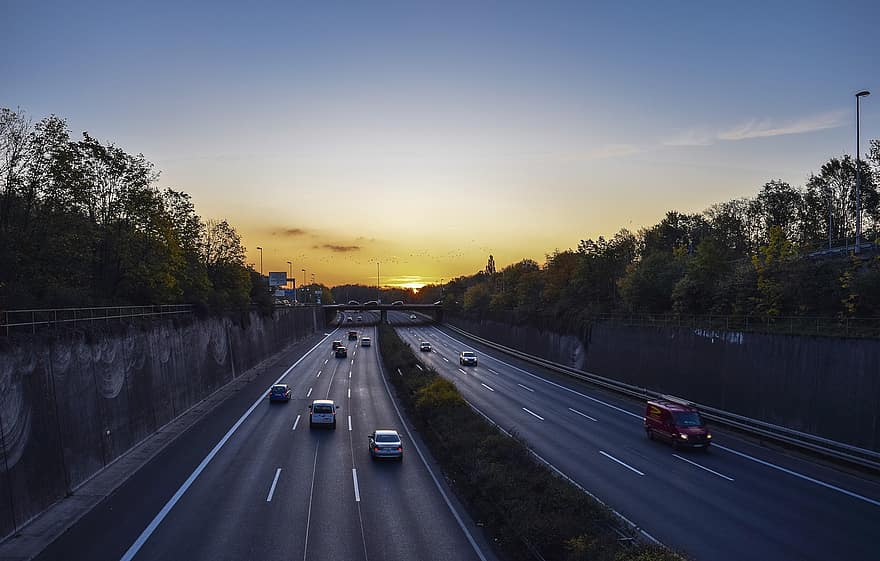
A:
677, 421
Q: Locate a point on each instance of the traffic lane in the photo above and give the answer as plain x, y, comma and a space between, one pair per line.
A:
110, 528
775, 502
857, 482
227, 511
404, 514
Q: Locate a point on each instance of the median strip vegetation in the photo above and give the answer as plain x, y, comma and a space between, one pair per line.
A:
527, 510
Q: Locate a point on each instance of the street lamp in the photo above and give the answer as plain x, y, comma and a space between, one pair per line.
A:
261, 260
304, 281
859, 95
378, 296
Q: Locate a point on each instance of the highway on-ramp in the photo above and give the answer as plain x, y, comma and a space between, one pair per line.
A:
736, 501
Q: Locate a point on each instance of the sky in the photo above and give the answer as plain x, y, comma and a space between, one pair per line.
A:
426, 136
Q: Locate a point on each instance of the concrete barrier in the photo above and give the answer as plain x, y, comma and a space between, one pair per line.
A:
825, 386
71, 403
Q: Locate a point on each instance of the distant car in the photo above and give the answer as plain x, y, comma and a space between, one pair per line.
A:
279, 392
412, 316
425, 346
354, 303
337, 344
365, 342
386, 444
467, 358
397, 303
348, 318
323, 412
676, 421
352, 335
360, 318
341, 352
371, 303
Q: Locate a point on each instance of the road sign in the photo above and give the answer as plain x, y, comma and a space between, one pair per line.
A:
277, 279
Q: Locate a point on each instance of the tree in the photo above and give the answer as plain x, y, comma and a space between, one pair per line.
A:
769, 263
490, 266
780, 205
830, 197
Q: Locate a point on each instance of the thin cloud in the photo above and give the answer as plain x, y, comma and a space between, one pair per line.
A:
614, 151
290, 232
339, 248
757, 128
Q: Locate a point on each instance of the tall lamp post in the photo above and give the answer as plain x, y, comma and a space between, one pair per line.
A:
304, 282
378, 297
290, 279
261, 261
859, 95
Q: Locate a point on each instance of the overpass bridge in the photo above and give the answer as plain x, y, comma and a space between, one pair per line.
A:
433, 310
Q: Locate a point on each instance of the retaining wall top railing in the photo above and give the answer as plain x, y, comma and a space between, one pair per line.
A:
792, 325
31, 320
824, 446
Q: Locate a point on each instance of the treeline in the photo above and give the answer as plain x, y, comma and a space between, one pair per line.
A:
765, 256
82, 223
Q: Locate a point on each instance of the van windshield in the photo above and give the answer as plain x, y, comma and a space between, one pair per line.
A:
688, 419
323, 409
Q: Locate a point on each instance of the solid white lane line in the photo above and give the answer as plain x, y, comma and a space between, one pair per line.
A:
151, 527
310, 392
354, 477
627, 466
274, 482
800, 475
454, 512
554, 384
311, 494
532, 413
582, 414
702, 467
526, 388
487, 387
462, 371
349, 422
296, 422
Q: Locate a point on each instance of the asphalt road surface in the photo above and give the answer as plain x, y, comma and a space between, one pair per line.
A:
273, 488
735, 501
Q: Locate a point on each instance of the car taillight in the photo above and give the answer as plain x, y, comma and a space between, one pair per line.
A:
376, 449
399, 448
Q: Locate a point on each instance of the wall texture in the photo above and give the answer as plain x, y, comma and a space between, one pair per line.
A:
826, 386
71, 403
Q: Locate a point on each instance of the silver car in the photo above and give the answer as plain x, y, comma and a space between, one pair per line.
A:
386, 444
467, 358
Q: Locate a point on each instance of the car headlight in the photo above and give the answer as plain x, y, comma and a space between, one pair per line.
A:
709, 437
683, 436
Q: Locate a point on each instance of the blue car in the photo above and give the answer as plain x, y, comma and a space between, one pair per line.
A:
279, 392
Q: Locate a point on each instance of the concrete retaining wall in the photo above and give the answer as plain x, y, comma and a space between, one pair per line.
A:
826, 386
72, 403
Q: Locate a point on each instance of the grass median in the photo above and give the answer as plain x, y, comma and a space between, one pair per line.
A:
527, 510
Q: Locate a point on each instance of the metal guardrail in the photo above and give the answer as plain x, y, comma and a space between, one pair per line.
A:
38, 318
838, 450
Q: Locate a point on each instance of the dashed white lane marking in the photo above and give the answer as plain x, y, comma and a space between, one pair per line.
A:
349, 393
446, 359
325, 360
800, 475
349, 422
419, 367
526, 388
296, 422
532, 413
310, 392
487, 387
354, 477
582, 414
492, 371
462, 371
627, 466
702, 467
319, 374
349, 373
274, 483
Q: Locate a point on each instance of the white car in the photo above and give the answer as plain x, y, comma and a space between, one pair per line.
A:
386, 444
322, 412
467, 358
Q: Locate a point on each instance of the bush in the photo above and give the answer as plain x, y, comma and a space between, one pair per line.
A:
528, 511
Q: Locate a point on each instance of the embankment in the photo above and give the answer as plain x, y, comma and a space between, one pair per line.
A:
72, 402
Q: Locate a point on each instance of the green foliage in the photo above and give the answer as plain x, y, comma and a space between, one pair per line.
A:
524, 507
83, 223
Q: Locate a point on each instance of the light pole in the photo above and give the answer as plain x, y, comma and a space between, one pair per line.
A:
304, 281
291, 280
261, 261
378, 297
859, 95
441, 291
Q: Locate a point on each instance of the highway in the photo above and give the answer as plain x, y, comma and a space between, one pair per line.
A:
736, 501
255, 482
